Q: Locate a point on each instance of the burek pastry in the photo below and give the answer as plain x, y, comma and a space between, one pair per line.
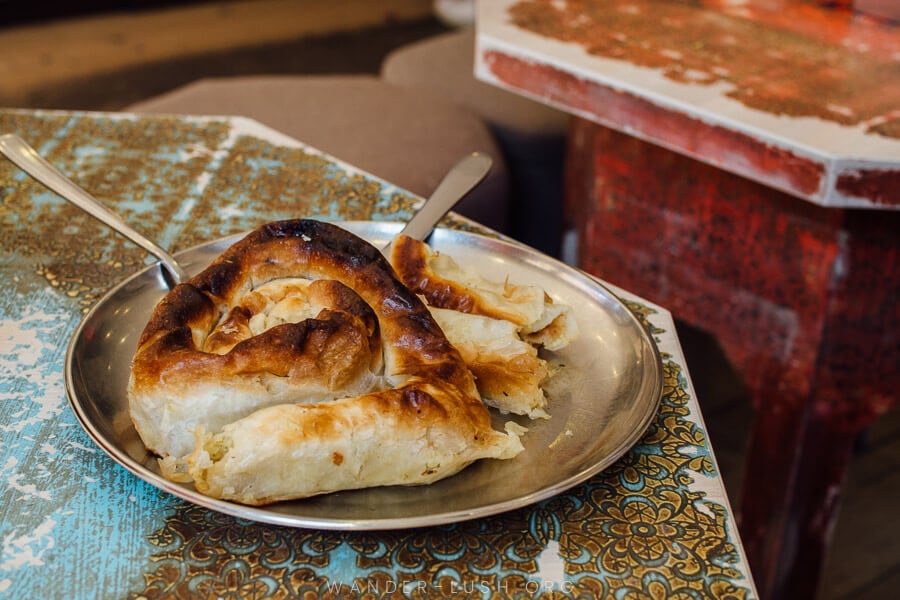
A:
496, 326
363, 390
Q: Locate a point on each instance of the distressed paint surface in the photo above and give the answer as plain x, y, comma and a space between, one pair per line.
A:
657, 523
803, 299
747, 155
791, 59
716, 166
801, 98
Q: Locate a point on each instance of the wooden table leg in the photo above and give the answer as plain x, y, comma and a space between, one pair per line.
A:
803, 299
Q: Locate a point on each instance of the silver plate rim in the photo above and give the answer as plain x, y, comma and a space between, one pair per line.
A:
386, 229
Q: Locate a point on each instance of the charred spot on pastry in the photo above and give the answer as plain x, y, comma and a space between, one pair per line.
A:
183, 304
220, 281
308, 370
417, 399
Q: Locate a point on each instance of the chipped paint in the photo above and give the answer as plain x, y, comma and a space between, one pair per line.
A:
786, 96
107, 534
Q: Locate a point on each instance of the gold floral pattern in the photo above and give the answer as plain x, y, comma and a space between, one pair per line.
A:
149, 170
637, 530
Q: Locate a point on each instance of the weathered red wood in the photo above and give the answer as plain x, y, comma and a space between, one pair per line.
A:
880, 186
802, 298
743, 153
783, 80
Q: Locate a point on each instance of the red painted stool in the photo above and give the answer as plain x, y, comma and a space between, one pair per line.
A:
739, 164
804, 300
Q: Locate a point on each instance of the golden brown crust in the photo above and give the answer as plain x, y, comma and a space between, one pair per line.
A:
286, 300
496, 326
444, 284
410, 259
417, 265
195, 341
299, 248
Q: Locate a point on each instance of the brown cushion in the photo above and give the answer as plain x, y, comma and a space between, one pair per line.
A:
531, 135
444, 65
405, 137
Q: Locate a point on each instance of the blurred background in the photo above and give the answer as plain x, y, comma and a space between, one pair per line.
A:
107, 54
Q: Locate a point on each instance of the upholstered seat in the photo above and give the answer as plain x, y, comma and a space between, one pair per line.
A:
530, 134
407, 137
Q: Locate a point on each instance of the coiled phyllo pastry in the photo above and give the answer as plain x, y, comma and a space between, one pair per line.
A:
496, 326
298, 363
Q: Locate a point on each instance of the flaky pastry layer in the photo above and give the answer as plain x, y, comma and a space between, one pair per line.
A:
246, 405
496, 326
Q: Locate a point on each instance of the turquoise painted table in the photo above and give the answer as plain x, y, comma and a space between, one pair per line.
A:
73, 524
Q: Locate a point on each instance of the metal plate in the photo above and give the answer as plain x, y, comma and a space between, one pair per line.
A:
602, 399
